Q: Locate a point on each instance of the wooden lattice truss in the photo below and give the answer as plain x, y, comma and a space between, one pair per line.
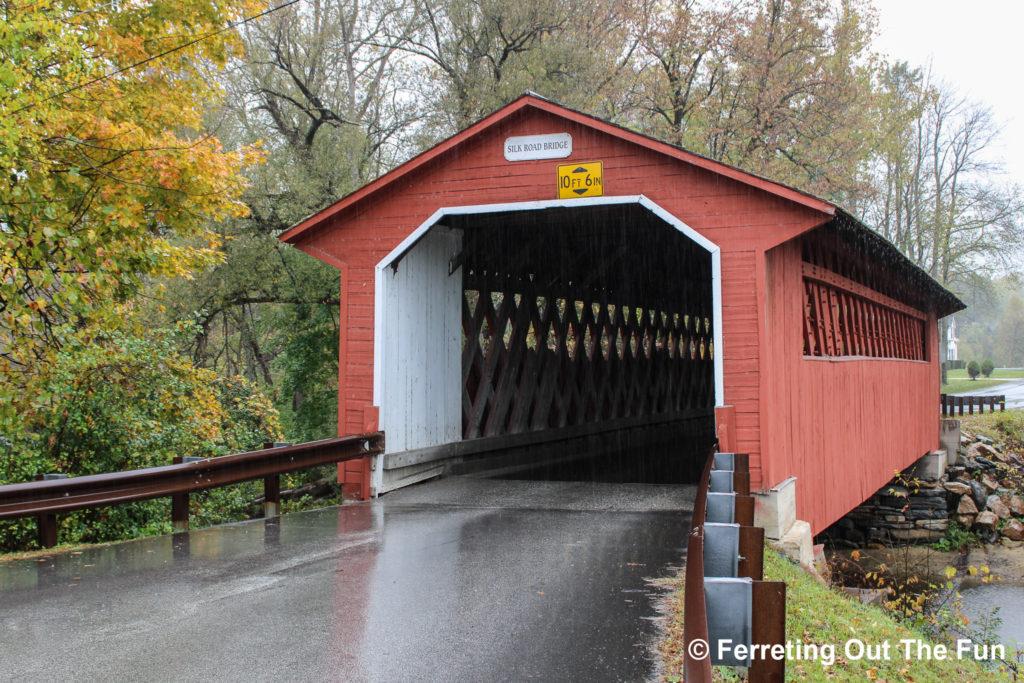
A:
851, 306
566, 322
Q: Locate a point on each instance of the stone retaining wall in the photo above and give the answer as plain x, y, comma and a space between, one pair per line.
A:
979, 492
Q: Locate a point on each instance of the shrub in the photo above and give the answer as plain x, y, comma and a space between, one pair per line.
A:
987, 367
115, 402
956, 538
973, 369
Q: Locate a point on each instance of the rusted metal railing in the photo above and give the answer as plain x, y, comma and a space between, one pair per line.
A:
724, 591
953, 405
44, 499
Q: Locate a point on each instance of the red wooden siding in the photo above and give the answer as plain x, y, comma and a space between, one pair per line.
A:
743, 220
840, 425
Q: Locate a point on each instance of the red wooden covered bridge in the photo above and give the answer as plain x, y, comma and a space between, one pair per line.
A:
548, 280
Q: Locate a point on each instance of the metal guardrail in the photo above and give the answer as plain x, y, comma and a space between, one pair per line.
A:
951, 404
726, 598
44, 499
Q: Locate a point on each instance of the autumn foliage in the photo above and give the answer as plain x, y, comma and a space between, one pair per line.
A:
114, 401
105, 177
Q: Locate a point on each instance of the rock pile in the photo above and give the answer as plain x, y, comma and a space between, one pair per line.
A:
979, 492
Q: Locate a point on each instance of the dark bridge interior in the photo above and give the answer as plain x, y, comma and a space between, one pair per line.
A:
592, 325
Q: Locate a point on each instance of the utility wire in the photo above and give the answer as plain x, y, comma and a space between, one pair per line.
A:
162, 54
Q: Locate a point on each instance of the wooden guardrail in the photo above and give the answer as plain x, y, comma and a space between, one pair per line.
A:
44, 499
952, 404
717, 602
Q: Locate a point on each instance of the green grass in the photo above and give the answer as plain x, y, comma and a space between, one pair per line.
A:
1005, 428
1002, 373
821, 615
818, 614
960, 386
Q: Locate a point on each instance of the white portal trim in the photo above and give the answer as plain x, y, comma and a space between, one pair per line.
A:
379, 332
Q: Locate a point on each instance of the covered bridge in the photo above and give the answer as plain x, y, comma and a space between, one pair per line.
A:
545, 276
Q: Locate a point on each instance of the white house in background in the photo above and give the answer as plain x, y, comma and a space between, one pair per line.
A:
951, 340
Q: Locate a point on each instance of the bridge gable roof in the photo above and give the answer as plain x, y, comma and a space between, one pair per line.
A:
522, 106
811, 211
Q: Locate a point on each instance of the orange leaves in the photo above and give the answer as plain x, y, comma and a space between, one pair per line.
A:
109, 176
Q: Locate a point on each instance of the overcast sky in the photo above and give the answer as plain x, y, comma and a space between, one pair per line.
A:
976, 45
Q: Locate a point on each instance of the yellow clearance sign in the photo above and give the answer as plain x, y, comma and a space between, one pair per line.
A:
581, 180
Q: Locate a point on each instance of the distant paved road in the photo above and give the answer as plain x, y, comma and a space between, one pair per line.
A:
1013, 388
457, 580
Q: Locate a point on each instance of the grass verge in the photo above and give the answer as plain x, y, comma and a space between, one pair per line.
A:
1005, 428
963, 386
998, 373
817, 614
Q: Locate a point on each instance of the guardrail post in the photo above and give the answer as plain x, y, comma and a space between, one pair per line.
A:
751, 560
272, 485
744, 510
272, 495
47, 529
179, 512
179, 506
768, 627
179, 501
47, 521
741, 474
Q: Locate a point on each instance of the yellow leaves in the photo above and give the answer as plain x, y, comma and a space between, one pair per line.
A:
950, 572
122, 139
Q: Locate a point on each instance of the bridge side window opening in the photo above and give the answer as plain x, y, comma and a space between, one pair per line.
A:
846, 314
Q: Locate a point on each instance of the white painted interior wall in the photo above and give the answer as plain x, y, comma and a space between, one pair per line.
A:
421, 396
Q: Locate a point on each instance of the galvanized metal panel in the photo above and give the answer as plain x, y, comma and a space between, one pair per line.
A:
729, 609
720, 508
721, 549
721, 481
725, 461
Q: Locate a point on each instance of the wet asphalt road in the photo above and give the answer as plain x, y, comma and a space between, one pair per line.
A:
1013, 390
502, 581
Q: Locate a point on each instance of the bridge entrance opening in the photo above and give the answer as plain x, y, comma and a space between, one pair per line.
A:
568, 341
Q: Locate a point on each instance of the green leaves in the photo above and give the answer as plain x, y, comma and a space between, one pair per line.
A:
114, 401
88, 160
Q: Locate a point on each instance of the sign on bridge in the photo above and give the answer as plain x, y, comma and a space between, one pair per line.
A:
581, 180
